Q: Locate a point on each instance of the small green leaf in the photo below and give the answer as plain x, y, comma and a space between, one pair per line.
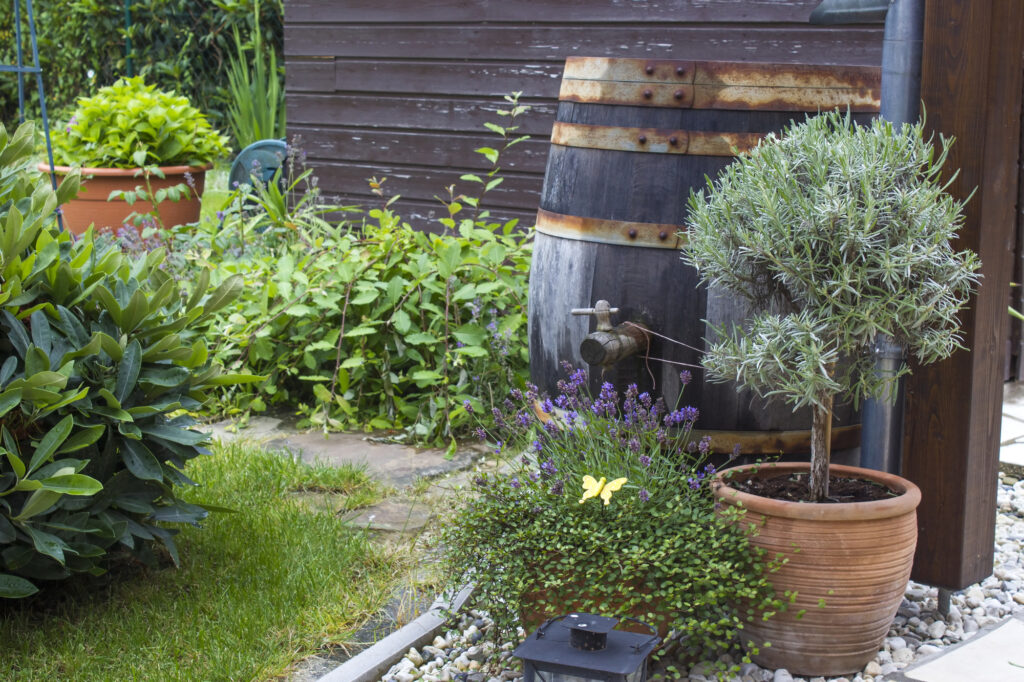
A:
140, 461
50, 442
13, 587
72, 484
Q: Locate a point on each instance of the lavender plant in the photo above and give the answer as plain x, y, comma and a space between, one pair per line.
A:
837, 233
604, 506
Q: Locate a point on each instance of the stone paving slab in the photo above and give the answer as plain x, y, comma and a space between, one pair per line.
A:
394, 516
994, 655
392, 464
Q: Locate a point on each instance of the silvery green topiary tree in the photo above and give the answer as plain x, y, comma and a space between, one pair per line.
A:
837, 233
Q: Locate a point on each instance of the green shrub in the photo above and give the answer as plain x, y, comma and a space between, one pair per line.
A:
101, 361
377, 326
133, 125
838, 234
179, 45
605, 508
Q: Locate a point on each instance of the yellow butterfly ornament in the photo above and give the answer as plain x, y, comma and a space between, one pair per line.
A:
593, 488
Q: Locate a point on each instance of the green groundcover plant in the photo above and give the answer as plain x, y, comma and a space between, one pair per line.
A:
838, 233
101, 358
605, 508
133, 125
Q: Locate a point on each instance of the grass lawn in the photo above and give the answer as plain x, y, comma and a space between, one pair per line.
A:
257, 590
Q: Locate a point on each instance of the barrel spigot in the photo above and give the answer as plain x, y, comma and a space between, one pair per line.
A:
607, 344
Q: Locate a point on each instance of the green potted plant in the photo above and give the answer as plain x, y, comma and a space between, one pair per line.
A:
604, 506
136, 146
836, 233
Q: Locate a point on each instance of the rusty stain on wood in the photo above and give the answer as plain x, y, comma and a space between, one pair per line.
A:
720, 85
647, 235
653, 140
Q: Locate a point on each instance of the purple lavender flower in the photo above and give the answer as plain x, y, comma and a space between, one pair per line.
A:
480, 481
645, 461
736, 450
537, 446
562, 401
189, 180
524, 418
497, 447
550, 427
516, 394
694, 483
220, 216
705, 445
480, 433
557, 487
467, 406
685, 377
645, 399
534, 476
634, 444
515, 483
644, 495
548, 468
547, 406
524, 460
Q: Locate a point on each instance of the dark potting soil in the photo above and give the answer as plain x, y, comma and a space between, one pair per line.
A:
795, 488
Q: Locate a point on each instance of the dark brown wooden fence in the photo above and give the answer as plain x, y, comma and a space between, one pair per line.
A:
402, 88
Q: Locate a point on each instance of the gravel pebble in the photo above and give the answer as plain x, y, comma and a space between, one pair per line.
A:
917, 631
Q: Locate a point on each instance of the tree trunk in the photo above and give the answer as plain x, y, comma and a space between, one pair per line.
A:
821, 444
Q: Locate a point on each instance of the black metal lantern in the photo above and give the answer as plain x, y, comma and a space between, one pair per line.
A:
586, 647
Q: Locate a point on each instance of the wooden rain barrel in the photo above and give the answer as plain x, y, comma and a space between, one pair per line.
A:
631, 138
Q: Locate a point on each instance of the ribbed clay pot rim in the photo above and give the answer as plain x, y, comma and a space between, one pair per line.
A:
907, 500
122, 172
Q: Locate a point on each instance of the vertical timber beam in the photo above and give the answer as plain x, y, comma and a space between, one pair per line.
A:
971, 87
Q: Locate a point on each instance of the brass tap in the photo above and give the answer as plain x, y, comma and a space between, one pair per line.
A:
607, 344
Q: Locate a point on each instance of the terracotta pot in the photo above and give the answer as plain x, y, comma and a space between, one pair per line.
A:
854, 558
91, 205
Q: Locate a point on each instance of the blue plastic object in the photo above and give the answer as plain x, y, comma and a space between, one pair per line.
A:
261, 160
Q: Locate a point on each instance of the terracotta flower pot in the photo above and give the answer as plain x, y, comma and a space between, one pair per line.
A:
848, 563
91, 205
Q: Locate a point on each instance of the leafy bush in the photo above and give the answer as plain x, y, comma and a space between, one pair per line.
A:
179, 45
101, 358
133, 125
608, 511
846, 230
377, 326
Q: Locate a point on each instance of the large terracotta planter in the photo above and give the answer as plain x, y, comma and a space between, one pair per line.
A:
91, 205
848, 564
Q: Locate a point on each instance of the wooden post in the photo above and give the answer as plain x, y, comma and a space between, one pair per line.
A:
971, 87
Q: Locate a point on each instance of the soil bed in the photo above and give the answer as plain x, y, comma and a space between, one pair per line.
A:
795, 488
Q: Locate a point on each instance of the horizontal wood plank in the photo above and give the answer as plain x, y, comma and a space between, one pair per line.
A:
518, 190
491, 79
796, 44
412, 113
565, 11
310, 75
421, 148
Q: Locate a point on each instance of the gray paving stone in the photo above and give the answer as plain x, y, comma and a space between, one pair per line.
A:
395, 516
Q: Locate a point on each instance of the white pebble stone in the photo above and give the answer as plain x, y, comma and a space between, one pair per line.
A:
904, 655
896, 643
937, 629
873, 669
782, 675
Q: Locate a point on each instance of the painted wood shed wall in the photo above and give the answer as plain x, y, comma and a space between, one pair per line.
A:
402, 88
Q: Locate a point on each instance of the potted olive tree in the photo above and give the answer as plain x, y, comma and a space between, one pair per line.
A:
836, 233
136, 146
